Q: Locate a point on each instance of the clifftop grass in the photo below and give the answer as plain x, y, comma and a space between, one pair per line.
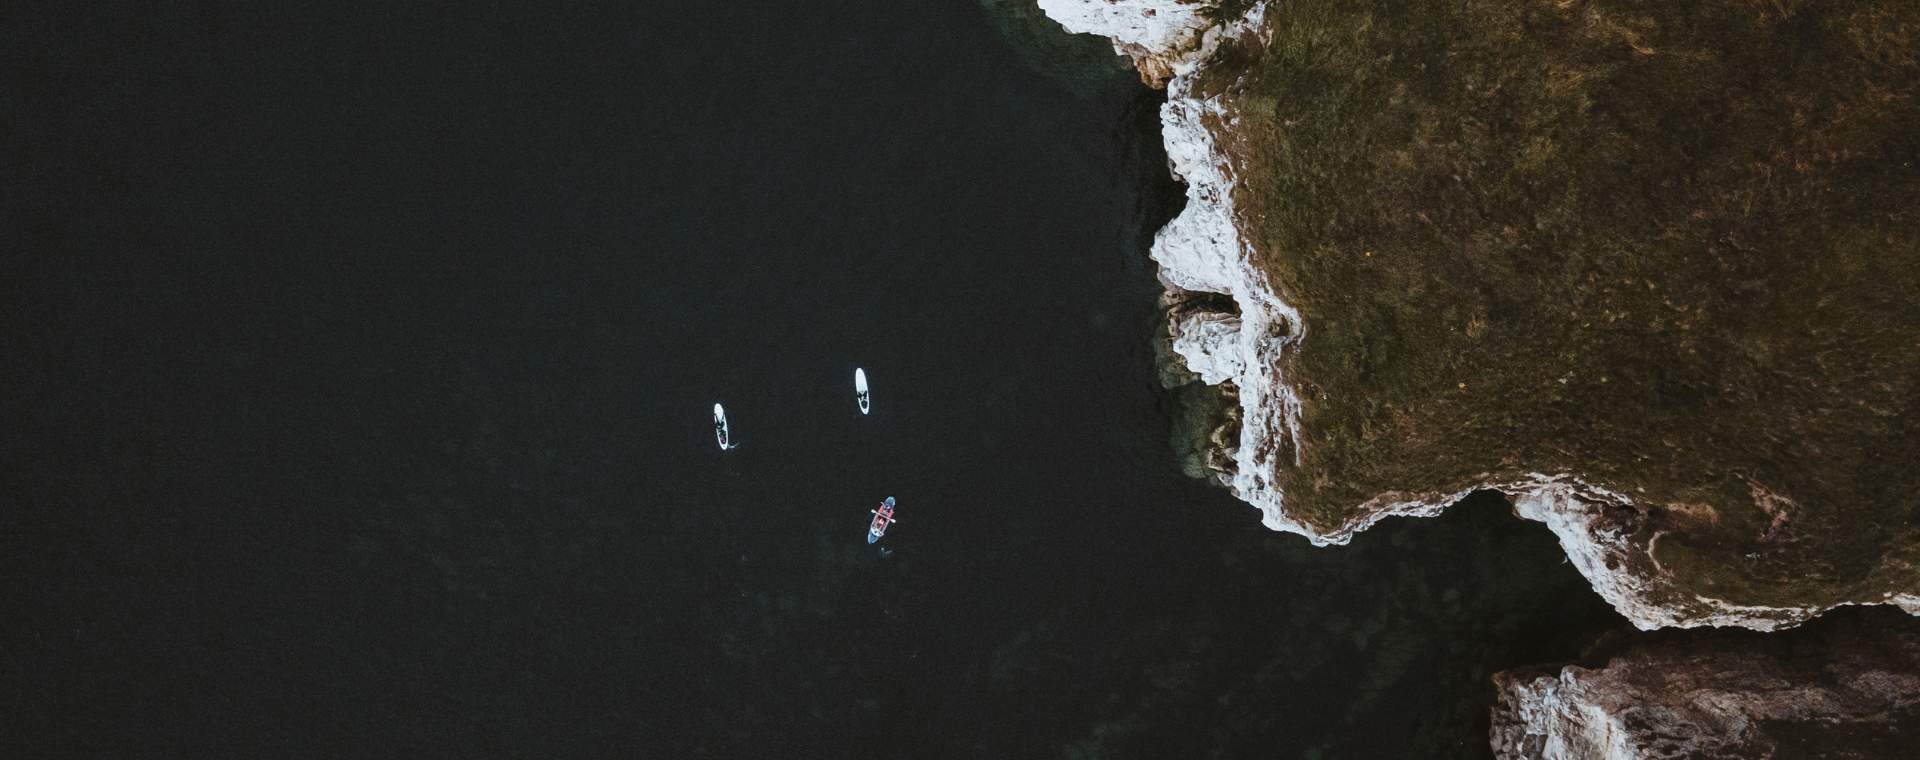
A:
1671, 247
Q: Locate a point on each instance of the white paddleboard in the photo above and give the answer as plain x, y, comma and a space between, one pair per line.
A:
860, 390
720, 430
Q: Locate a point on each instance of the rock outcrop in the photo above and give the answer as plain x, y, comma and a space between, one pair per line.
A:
1156, 34
1836, 689
1651, 270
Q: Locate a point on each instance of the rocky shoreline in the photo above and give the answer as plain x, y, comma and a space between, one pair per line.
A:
1249, 344
1712, 412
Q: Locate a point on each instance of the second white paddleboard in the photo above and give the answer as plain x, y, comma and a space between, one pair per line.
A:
860, 393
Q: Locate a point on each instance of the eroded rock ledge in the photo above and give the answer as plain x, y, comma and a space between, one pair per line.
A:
1841, 688
1156, 35
1649, 269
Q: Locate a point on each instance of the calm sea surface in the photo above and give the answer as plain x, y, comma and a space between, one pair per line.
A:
359, 367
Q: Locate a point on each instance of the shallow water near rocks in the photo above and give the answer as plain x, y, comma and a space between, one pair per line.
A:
371, 386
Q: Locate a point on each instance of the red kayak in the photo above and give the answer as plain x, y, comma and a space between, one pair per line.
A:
882, 517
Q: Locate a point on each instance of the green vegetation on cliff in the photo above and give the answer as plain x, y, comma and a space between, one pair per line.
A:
1671, 247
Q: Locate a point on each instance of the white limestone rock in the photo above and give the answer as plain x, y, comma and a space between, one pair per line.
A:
1210, 344
1154, 33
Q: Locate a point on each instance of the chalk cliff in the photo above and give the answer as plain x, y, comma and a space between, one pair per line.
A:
1653, 271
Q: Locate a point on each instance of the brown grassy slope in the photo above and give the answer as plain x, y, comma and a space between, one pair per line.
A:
1673, 247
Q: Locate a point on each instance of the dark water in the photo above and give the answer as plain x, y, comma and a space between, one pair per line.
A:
358, 375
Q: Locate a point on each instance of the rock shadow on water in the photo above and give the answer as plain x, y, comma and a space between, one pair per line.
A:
1083, 64
1386, 648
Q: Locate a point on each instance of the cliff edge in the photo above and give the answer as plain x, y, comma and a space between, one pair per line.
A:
1650, 269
